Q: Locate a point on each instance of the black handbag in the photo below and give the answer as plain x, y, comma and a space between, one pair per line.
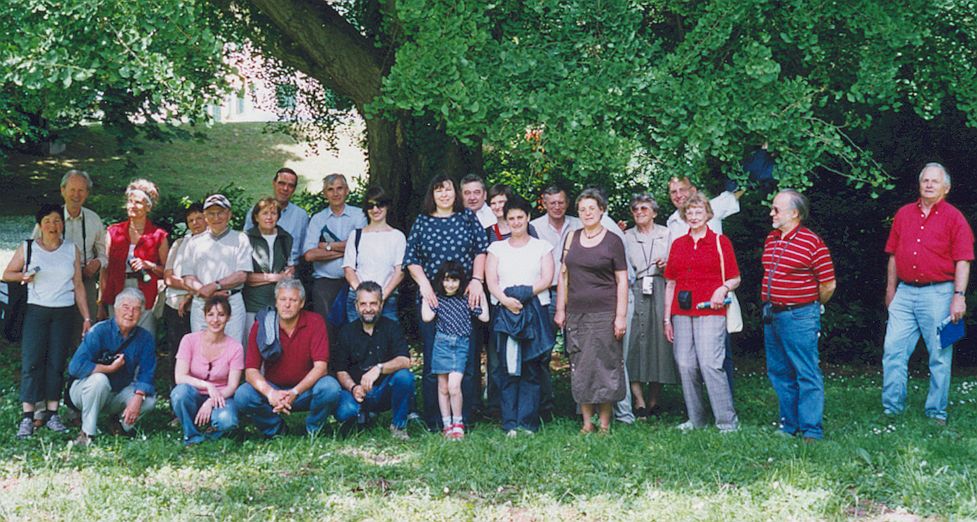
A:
16, 308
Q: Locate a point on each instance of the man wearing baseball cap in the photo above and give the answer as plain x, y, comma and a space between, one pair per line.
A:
217, 261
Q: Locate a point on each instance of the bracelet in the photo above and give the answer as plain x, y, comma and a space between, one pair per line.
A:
959, 292
479, 279
87, 320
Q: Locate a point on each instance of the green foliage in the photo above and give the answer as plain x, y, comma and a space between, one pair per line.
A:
621, 90
120, 60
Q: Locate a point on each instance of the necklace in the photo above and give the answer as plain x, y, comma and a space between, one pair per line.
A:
595, 234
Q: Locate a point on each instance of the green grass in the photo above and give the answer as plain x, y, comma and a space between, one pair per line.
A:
233, 152
868, 465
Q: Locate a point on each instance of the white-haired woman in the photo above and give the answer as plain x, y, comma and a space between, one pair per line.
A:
137, 251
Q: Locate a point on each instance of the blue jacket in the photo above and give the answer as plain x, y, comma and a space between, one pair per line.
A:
140, 356
531, 327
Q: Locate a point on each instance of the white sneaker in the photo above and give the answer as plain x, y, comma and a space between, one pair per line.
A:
512, 434
686, 426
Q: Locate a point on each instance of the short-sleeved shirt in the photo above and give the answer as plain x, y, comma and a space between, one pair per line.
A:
174, 262
695, 267
377, 255
294, 220
308, 343
209, 257
340, 225
556, 238
87, 232
357, 351
794, 266
453, 316
434, 240
927, 247
591, 274
216, 371
723, 206
485, 216
522, 265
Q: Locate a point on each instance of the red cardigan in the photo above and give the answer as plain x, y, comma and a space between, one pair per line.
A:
146, 248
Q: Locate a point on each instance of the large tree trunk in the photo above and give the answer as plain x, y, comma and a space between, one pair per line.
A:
404, 151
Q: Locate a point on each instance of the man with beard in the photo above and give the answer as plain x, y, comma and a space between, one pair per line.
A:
372, 362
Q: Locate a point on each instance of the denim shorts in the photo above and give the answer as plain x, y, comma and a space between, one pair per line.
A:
450, 354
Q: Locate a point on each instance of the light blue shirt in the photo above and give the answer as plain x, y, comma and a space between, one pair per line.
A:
295, 221
341, 226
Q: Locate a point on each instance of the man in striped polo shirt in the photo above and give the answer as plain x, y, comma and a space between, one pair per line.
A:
930, 248
798, 278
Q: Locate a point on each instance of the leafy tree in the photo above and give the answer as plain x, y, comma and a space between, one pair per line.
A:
619, 92
121, 61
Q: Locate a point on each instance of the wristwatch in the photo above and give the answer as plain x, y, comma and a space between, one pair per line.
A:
380, 367
218, 285
329, 246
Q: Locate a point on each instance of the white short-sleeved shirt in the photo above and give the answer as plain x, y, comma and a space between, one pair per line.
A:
555, 238
209, 258
485, 216
52, 285
723, 206
379, 253
521, 266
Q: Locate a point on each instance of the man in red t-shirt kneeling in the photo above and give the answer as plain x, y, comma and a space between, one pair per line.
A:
286, 365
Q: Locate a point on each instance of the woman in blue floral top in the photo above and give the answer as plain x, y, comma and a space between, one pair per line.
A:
445, 231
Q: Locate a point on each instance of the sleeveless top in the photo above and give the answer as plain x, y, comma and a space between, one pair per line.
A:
52, 286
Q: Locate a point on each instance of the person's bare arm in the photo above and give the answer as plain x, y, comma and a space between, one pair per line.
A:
890, 281
826, 290
961, 277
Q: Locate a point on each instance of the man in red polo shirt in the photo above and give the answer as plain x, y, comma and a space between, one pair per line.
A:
295, 357
798, 277
930, 248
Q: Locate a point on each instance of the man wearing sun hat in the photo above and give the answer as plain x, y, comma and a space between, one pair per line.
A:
218, 261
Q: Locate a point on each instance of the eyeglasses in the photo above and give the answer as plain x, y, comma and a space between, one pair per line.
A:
370, 205
644, 208
210, 366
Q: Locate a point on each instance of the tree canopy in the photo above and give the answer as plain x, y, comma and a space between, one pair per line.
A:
611, 91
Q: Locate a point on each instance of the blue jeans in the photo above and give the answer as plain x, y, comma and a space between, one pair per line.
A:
186, 402
916, 312
791, 342
429, 383
394, 392
520, 395
389, 307
320, 401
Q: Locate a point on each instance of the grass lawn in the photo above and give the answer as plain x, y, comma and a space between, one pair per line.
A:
233, 152
868, 466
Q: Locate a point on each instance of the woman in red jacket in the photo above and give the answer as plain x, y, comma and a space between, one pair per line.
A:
137, 252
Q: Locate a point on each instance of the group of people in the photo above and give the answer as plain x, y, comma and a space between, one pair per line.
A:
638, 308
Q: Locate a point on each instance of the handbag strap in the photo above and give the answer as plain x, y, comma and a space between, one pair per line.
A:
722, 260
29, 251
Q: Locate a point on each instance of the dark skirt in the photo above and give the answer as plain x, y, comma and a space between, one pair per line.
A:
596, 358
650, 356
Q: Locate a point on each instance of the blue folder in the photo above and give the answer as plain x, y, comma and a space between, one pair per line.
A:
951, 332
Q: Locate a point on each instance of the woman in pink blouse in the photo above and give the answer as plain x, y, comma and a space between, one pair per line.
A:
208, 371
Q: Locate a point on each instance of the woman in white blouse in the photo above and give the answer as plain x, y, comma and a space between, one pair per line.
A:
375, 253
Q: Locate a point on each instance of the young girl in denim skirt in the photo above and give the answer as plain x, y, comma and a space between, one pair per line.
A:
450, 353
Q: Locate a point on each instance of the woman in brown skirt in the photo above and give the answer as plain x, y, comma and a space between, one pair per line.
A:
592, 301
